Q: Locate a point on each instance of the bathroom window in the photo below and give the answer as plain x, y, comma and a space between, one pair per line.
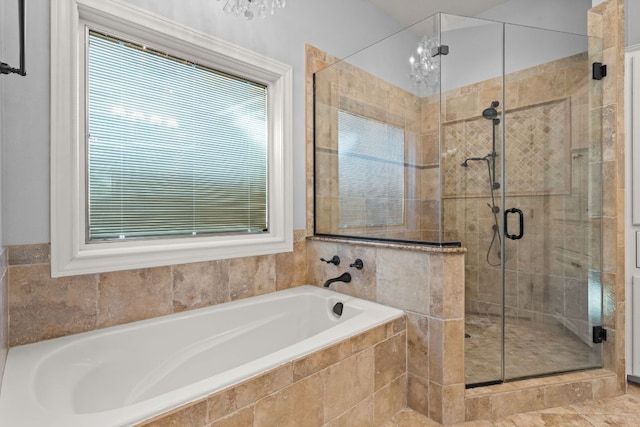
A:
168, 146
175, 149
370, 172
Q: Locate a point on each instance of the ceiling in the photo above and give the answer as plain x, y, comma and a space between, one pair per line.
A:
408, 12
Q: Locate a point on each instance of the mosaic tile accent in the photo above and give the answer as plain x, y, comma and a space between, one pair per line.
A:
537, 152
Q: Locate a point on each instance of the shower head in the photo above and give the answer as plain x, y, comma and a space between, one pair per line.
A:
491, 113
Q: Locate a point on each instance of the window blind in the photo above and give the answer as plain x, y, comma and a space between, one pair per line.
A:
174, 148
371, 172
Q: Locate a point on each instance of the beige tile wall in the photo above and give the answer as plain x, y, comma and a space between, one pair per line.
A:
498, 401
607, 21
428, 284
360, 381
42, 307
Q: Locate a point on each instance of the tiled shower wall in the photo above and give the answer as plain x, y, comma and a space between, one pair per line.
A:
42, 307
553, 161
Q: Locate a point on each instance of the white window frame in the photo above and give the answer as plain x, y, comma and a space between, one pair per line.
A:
70, 253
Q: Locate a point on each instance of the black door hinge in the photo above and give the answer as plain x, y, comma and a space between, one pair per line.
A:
599, 334
599, 70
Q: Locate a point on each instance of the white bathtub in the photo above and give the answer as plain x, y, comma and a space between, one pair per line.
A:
126, 374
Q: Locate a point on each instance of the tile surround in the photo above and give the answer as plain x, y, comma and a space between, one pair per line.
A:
432, 296
340, 384
42, 307
621, 411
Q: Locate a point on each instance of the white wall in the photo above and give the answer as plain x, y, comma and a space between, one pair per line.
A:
336, 26
566, 15
632, 214
632, 13
538, 35
3, 58
25, 128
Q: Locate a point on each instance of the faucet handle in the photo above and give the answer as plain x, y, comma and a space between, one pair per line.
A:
335, 260
357, 264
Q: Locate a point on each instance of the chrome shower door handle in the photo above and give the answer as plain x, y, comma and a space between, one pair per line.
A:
506, 224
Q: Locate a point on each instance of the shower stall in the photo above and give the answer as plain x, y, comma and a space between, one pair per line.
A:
467, 132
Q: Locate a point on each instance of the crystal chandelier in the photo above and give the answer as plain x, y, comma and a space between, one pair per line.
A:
251, 8
425, 65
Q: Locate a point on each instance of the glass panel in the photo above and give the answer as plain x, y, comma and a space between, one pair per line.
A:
393, 87
497, 119
552, 174
471, 138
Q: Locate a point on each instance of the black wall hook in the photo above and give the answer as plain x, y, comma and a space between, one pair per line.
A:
335, 260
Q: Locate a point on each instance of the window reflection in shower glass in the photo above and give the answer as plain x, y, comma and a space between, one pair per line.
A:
370, 172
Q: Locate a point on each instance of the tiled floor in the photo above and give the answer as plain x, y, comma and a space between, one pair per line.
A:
621, 411
525, 356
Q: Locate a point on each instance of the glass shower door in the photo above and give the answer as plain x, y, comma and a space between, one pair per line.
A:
522, 167
551, 199
471, 149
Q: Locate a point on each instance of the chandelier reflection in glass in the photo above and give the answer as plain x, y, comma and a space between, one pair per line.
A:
252, 8
425, 64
